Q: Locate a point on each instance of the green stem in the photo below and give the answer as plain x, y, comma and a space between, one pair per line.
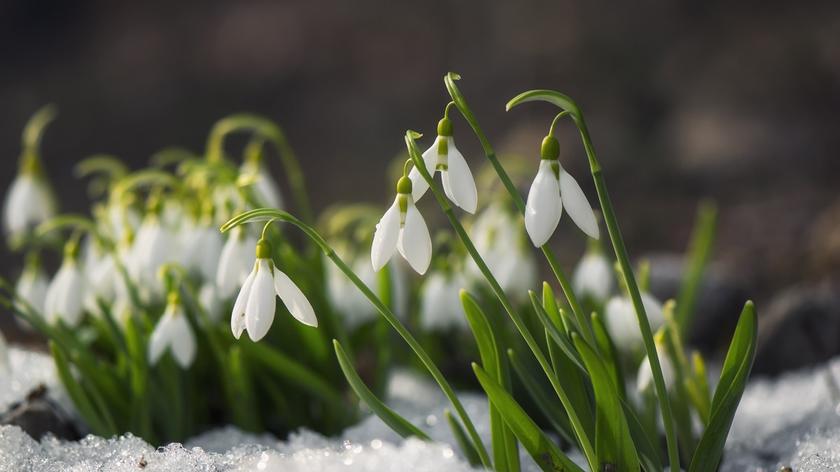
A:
270, 131
267, 213
581, 319
585, 444
566, 103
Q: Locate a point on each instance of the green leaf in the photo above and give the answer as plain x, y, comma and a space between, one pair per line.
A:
461, 437
505, 450
396, 422
613, 442
557, 336
608, 350
76, 392
700, 248
553, 411
733, 380
545, 453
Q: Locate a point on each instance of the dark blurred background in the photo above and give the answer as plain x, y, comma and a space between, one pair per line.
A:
738, 102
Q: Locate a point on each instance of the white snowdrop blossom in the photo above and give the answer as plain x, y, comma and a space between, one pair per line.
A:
498, 238
255, 305
355, 309
593, 276
455, 174
28, 203
440, 302
552, 190
644, 378
173, 333
65, 293
623, 324
32, 288
266, 191
202, 248
208, 296
235, 262
402, 228
154, 246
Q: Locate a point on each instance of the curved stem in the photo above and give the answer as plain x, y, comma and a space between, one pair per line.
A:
581, 318
448, 107
617, 241
31, 139
555, 121
583, 440
267, 213
273, 133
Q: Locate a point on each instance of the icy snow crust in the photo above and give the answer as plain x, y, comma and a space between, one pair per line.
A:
787, 422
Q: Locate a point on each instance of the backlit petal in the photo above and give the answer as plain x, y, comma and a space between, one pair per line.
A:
543, 208
385, 238
458, 182
577, 206
182, 343
415, 244
237, 316
294, 299
259, 312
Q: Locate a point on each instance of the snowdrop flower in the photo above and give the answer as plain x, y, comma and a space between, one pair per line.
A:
28, 203
402, 228
235, 262
254, 307
644, 379
266, 191
32, 286
208, 296
497, 235
202, 245
545, 205
345, 297
593, 276
440, 302
623, 324
64, 294
154, 246
443, 156
173, 333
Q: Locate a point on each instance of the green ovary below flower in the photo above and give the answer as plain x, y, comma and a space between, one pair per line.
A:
254, 307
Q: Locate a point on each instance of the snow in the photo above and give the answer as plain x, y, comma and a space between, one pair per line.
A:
791, 421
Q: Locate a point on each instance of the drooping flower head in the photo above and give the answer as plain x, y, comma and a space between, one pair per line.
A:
32, 286
455, 174
644, 378
623, 324
174, 334
402, 228
594, 276
66, 291
552, 190
440, 302
235, 261
255, 305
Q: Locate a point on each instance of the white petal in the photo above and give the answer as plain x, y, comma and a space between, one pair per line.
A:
414, 243
576, 204
235, 262
160, 339
266, 189
32, 288
458, 182
622, 324
418, 183
543, 208
209, 299
294, 299
237, 316
28, 202
593, 277
259, 312
182, 342
385, 237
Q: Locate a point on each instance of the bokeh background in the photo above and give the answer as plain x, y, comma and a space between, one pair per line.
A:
736, 102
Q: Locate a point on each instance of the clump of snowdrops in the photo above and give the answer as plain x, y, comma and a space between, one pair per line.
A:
602, 361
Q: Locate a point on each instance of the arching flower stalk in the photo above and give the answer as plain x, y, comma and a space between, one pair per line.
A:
174, 334
455, 174
402, 228
553, 190
255, 305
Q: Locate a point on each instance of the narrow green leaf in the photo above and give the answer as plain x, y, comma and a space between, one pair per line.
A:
700, 249
396, 422
505, 450
461, 437
613, 442
608, 352
76, 392
245, 411
545, 453
557, 336
733, 380
552, 410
